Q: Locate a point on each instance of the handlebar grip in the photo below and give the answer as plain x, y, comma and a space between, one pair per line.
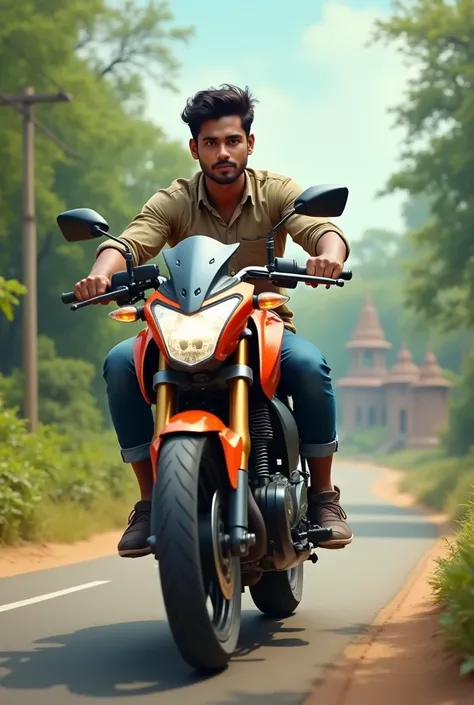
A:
69, 298
291, 266
346, 275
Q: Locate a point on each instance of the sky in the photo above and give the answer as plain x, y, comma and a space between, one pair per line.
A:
324, 94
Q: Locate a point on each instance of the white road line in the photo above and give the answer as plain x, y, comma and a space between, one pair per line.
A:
51, 595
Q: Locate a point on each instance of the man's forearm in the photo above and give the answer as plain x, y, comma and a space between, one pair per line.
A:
332, 244
108, 262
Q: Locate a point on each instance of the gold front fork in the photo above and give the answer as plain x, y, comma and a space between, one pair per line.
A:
239, 404
165, 397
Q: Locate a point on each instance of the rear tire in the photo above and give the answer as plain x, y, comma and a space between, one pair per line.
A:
190, 489
278, 594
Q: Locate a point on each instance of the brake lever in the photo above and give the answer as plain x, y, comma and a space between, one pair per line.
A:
284, 276
108, 296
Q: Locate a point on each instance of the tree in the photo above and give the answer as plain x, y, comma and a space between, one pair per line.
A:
416, 212
123, 157
458, 439
437, 36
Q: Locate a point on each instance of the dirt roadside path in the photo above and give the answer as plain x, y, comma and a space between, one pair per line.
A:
400, 660
31, 557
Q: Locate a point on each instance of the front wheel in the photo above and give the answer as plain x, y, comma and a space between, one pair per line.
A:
278, 594
200, 580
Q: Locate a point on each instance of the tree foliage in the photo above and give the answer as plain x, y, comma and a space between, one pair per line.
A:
66, 399
98, 54
437, 37
10, 291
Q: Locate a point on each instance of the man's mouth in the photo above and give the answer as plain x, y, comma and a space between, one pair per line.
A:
224, 166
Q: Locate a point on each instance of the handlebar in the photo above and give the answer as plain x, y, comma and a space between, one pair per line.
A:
285, 272
291, 266
145, 276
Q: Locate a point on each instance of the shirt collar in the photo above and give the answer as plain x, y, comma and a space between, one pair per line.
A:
248, 191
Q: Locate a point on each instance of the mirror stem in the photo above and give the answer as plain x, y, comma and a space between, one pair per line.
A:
130, 270
128, 255
270, 251
271, 241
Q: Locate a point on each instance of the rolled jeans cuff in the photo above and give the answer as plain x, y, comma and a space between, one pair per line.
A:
319, 450
137, 454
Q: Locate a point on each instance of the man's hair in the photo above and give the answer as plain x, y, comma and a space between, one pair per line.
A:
215, 103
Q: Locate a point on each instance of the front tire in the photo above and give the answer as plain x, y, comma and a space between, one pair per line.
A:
189, 508
278, 593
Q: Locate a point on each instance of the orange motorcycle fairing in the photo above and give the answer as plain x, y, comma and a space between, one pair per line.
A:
233, 329
140, 349
270, 329
203, 422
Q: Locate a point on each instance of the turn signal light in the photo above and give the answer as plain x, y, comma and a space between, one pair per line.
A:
126, 314
270, 300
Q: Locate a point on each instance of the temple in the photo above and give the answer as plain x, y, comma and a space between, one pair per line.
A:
410, 401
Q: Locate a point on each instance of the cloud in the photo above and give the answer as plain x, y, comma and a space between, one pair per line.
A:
331, 125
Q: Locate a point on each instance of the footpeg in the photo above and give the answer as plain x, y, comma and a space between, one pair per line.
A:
319, 535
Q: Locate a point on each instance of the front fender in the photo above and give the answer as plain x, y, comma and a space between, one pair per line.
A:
203, 422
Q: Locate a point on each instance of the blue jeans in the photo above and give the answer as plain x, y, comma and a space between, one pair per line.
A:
304, 376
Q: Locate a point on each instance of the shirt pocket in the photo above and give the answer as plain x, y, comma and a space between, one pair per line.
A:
252, 253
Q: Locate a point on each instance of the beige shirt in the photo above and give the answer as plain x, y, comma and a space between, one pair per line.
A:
183, 209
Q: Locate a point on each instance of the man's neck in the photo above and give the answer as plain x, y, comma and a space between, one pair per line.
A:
225, 195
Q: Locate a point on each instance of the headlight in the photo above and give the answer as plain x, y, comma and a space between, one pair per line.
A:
193, 338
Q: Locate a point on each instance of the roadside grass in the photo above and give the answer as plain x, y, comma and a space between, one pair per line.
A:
447, 484
453, 586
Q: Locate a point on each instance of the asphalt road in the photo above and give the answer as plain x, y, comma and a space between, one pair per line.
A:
108, 641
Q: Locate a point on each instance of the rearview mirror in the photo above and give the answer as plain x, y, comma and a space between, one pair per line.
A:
81, 224
322, 201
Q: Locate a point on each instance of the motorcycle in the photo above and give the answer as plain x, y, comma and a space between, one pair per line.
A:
229, 506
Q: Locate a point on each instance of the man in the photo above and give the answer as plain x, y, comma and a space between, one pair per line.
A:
231, 203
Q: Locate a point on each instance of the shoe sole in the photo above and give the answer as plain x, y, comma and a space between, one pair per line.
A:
336, 543
135, 553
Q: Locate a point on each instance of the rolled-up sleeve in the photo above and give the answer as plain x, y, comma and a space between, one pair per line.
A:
305, 231
149, 231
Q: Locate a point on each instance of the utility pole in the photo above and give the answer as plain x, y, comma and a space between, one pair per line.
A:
25, 103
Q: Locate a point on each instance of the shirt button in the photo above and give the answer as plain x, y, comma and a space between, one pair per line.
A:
232, 272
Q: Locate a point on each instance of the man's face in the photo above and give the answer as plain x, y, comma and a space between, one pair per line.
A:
222, 149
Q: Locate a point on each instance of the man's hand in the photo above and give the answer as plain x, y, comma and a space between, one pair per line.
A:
326, 265
93, 285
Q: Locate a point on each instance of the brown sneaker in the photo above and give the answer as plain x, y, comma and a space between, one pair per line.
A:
133, 543
324, 510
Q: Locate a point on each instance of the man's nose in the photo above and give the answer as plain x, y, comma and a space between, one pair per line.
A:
223, 153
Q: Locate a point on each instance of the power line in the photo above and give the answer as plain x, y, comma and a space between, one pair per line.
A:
13, 102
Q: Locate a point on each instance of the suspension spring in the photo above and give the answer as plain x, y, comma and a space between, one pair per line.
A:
261, 433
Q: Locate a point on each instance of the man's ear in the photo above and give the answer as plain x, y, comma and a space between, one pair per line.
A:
250, 144
193, 149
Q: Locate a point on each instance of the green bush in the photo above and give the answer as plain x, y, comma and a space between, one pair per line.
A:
458, 501
46, 470
66, 400
453, 584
